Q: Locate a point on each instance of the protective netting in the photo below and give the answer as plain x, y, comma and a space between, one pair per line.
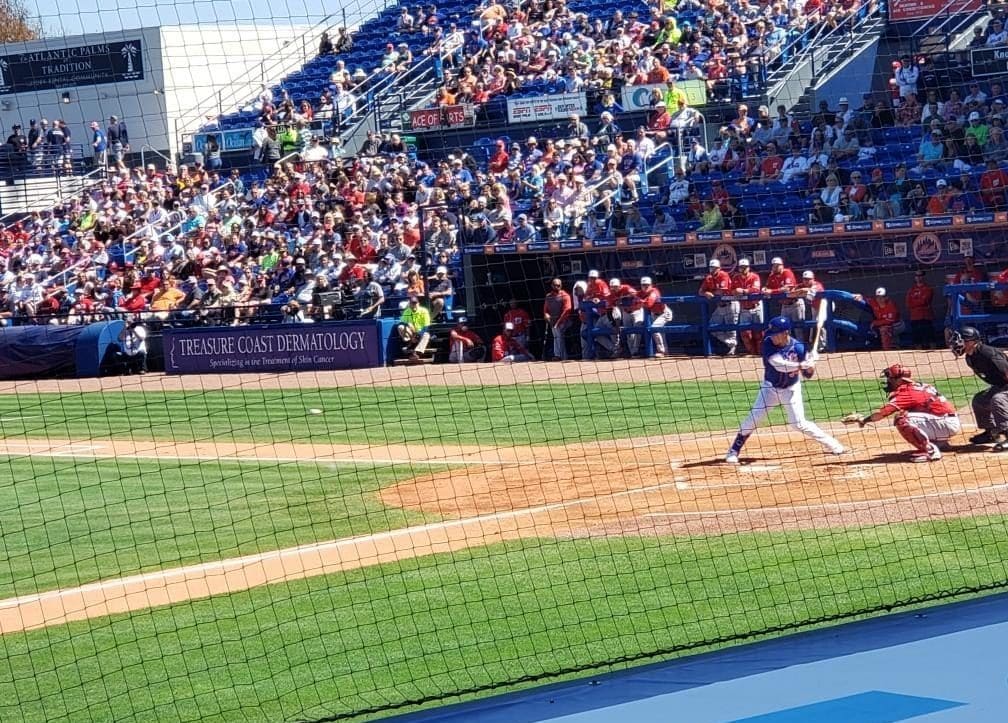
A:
502, 343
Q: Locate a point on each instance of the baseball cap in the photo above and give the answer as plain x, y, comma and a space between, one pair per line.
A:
776, 260
714, 264
508, 326
614, 282
941, 183
463, 320
593, 274
844, 101
645, 280
880, 291
807, 275
974, 116
442, 269
743, 262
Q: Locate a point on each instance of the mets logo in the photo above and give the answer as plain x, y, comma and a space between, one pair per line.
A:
927, 248
725, 253
640, 97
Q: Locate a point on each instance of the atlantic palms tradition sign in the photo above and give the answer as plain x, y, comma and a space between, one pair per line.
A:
71, 67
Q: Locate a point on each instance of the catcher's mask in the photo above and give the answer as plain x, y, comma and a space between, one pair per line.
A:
892, 376
958, 339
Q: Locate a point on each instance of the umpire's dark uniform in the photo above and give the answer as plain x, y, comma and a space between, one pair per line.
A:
990, 407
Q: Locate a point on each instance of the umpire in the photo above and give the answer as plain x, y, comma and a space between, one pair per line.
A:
990, 407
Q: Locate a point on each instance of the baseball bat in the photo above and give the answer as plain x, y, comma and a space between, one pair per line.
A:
820, 322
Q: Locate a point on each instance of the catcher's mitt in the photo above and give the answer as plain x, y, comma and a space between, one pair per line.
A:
854, 418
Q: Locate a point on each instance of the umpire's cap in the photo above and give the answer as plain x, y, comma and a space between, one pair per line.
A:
778, 324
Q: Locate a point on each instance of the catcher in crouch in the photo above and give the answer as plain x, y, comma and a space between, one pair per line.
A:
924, 417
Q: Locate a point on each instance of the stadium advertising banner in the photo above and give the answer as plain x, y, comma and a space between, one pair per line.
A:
241, 139
434, 119
989, 61
638, 97
545, 107
287, 347
70, 67
900, 10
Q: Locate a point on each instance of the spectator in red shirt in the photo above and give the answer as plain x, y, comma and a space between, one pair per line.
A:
919, 298
939, 202
499, 160
993, 183
770, 167
136, 301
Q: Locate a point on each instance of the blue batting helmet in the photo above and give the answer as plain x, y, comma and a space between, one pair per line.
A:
778, 324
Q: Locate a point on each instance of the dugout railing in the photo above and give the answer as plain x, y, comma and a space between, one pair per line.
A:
969, 305
845, 321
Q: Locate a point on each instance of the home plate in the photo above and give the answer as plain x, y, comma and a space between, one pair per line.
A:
759, 467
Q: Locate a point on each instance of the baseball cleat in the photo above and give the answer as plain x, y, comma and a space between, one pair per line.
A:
731, 458
1000, 447
839, 450
933, 454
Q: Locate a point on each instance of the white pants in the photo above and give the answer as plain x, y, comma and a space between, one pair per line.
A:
751, 316
631, 318
725, 313
936, 429
790, 399
658, 321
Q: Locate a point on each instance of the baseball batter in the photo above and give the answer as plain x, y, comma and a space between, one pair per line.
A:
923, 416
785, 363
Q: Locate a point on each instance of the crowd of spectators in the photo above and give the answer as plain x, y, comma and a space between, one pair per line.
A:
324, 239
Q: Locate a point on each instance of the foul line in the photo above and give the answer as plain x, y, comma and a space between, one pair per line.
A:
232, 575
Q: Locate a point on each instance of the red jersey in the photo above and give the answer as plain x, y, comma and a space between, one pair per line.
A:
557, 307
917, 397
748, 283
625, 298
718, 283
918, 301
816, 289
651, 300
784, 281
468, 335
597, 289
999, 297
503, 345
885, 312
971, 276
521, 320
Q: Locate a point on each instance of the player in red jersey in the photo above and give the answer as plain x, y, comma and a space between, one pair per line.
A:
924, 417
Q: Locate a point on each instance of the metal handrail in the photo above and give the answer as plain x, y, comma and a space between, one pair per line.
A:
813, 44
959, 21
146, 147
86, 261
280, 59
55, 200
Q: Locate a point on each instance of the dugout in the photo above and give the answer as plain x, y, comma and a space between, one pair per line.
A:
30, 352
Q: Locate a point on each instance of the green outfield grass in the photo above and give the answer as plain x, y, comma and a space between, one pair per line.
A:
511, 415
64, 522
439, 624
421, 627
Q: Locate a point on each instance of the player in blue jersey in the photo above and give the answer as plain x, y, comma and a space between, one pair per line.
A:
785, 364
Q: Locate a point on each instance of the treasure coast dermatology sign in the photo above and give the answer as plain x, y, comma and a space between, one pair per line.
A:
289, 347
70, 67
